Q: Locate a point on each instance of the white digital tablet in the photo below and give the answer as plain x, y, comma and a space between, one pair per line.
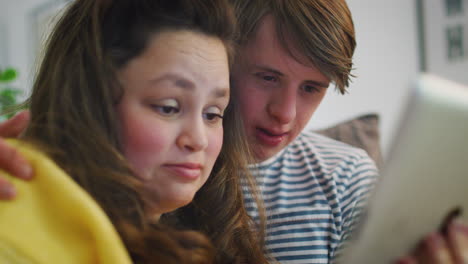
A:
424, 178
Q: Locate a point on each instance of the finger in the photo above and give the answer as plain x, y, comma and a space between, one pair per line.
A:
434, 250
457, 238
12, 162
7, 190
15, 125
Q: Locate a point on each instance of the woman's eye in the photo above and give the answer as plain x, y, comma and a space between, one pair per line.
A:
213, 117
167, 107
167, 110
213, 114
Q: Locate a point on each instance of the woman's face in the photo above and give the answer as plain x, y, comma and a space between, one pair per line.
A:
171, 111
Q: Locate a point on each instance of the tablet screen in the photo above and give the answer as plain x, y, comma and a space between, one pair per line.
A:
424, 178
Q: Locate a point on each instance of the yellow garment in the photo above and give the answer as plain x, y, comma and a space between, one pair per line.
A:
53, 220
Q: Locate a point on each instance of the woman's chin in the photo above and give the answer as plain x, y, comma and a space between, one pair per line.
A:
158, 208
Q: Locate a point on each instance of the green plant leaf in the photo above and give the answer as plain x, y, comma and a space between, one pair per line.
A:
9, 92
8, 75
8, 97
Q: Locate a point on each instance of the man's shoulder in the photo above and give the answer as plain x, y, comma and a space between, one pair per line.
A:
321, 155
329, 155
312, 142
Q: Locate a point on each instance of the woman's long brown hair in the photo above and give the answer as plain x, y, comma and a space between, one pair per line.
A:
73, 119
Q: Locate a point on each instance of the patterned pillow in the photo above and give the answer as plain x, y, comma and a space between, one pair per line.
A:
361, 132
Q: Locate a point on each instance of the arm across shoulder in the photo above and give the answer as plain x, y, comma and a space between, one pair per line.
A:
54, 220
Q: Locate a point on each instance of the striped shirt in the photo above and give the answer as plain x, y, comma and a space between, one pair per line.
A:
313, 191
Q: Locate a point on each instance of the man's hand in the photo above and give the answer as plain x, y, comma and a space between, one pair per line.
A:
450, 247
14, 126
10, 160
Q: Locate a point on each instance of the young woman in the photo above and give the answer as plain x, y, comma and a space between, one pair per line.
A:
130, 101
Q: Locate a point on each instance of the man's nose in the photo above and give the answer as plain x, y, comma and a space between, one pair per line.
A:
283, 105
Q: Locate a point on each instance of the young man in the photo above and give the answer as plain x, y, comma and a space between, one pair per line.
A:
313, 187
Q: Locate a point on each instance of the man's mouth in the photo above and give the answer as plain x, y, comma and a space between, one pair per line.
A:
270, 138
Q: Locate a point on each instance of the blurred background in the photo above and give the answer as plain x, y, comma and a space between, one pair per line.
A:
396, 40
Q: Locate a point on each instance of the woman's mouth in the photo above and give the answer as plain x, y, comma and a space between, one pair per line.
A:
187, 171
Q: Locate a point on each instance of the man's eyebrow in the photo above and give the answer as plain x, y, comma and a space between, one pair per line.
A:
319, 84
269, 69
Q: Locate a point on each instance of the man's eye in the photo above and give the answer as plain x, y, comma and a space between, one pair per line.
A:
267, 77
310, 89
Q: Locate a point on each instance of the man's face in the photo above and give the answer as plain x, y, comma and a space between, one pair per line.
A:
277, 93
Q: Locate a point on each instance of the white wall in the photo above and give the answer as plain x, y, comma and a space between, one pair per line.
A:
3, 48
386, 60
437, 23
17, 37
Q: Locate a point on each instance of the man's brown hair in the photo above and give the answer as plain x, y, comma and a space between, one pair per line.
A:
321, 30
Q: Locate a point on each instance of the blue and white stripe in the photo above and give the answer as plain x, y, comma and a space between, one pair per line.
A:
313, 191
